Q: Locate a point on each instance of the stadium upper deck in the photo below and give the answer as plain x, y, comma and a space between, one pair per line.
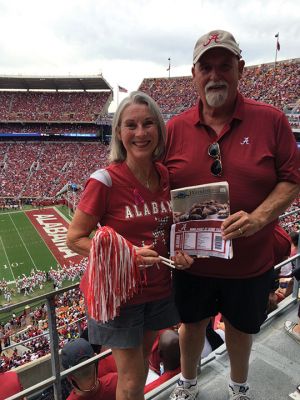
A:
45, 99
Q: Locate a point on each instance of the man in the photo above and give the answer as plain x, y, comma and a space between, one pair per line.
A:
88, 383
226, 137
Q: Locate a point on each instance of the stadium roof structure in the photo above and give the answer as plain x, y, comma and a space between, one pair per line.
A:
22, 82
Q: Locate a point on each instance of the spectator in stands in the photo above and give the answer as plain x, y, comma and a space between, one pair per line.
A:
42, 169
165, 355
167, 339
263, 180
9, 383
282, 250
169, 358
87, 381
132, 196
293, 328
295, 239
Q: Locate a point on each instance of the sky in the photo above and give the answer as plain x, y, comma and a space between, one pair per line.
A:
129, 40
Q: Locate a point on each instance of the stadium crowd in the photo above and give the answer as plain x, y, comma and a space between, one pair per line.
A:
48, 128
41, 169
274, 85
32, 341
52, 106
173, 95
291, 222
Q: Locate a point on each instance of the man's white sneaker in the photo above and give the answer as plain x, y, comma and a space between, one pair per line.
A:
181, 392
289, 327
240, 395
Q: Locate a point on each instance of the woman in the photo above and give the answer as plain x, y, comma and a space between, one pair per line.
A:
132, 196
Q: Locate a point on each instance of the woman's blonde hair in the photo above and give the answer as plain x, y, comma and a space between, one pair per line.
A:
117, 150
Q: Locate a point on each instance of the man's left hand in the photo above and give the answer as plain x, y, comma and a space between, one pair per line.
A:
240, 224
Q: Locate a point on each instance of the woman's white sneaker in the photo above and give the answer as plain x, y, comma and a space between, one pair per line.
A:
184, 392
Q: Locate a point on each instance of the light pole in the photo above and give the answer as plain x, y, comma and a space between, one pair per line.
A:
169, 67
277, 49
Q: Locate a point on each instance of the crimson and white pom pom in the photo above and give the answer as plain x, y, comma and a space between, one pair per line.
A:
112, 274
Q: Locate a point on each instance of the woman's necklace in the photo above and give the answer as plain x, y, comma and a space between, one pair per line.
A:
146, 181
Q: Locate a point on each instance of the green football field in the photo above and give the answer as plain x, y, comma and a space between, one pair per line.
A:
21, 247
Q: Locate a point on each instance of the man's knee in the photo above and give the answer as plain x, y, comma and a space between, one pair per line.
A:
194, 328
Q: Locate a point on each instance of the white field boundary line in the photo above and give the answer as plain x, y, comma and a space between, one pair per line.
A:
62, 215
23, 243
2, 244
9, 212
21, 211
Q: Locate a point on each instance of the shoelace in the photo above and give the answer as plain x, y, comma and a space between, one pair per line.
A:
241, 395
180, 393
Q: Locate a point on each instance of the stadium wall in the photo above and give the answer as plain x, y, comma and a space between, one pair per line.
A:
35, 371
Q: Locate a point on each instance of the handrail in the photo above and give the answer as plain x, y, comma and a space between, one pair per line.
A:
288, 213
278, 266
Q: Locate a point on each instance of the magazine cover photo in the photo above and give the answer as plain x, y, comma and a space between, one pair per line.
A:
198, 212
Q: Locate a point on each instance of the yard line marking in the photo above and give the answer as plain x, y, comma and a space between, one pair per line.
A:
23, 242
7, 258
